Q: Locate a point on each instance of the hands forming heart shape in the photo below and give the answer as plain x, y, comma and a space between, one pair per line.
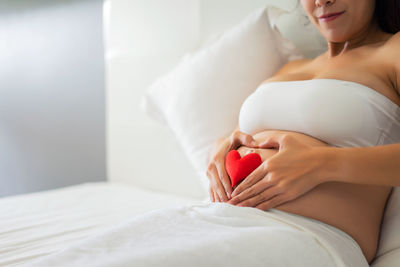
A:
239, 168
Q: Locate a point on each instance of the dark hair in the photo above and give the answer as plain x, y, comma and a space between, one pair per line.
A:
387, 13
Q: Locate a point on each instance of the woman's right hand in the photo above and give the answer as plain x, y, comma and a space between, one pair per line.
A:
220, 184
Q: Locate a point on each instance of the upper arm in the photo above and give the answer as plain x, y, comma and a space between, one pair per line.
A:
392, 54
397, 63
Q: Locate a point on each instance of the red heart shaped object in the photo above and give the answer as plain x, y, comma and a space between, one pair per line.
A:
239, 168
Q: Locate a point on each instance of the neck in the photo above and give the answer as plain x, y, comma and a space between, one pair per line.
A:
368, 35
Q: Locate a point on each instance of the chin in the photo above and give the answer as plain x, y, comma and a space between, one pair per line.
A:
335, 37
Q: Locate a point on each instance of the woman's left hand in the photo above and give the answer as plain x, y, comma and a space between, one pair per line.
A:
294, 170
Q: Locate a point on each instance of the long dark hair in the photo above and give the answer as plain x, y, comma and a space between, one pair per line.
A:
387, 13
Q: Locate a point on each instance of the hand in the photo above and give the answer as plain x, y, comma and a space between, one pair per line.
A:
220, 184
291, 172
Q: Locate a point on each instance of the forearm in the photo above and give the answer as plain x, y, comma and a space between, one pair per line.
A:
378, 165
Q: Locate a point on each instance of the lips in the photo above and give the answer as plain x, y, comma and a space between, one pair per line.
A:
329, 17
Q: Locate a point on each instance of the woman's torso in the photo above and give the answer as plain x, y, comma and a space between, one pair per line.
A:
354, 208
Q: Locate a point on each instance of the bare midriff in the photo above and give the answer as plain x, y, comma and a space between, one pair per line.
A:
356, 209
353, 208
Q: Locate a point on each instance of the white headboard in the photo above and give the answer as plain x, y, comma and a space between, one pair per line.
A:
146, 38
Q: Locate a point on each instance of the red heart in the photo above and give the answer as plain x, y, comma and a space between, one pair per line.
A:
239, 168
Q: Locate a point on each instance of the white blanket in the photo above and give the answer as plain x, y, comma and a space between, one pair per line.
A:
36, 225
214, 234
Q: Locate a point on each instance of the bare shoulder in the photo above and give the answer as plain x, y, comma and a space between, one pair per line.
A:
293, 66
395, 38
391, 53
391, 48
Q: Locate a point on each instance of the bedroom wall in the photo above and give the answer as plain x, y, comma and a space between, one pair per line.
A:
144, 40
52, 111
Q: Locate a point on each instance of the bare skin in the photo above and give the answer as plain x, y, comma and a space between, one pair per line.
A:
356, 209
358, 51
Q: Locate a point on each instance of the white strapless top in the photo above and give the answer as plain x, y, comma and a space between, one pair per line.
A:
340, 113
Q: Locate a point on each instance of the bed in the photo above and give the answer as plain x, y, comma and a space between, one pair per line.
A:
40, 225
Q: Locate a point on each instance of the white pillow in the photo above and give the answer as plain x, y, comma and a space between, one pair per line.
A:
296, 27
200, 99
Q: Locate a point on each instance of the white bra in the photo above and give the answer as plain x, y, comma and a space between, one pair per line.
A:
340, 113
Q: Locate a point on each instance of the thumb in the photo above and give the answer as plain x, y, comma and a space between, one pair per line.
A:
270, 142
248, 140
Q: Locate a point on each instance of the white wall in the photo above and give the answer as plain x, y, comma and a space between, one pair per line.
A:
144, 40
52, 106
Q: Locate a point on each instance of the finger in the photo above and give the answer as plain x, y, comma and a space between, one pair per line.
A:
224, 185
248, 193
273, 139
270, 143
212, 195
265, 195
250, 180
210, 175
251, 202
218, 186
272, 203
246, 139
224, 179
216, 197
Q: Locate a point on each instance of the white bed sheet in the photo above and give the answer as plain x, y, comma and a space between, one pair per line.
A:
214, 234
39, 224
36, 225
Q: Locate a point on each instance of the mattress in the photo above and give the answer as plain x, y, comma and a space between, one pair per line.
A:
38, 224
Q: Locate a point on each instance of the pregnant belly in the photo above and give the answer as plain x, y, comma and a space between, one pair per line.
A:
353, 208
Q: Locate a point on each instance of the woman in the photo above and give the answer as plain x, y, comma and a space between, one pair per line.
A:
343, 187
